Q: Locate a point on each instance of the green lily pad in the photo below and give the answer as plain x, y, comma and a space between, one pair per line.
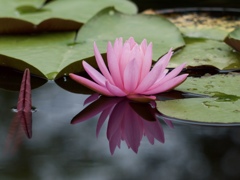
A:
109, 24
233, 39
38, 15
206, 52
204, 110
55, 55
213, 85
45, 52
222, 106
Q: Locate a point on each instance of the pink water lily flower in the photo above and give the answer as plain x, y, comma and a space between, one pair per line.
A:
129, 72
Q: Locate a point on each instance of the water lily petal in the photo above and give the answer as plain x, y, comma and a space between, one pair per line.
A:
162, 75
164, 78
102, 119
147, 61
133, 129
91, 85
168, 122
94, 74
143, 46
150, 138
165, 59
115, 141
128, 54
115, 90
154, 129
174, 73
101, 64
116, 118
128, 72
124, 58
162, 62
113, 66
91, 98
94, 108
131, 42
130, 76
118, 46
168, 85
149, 79
158, 80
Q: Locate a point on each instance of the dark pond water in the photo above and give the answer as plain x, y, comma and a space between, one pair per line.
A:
59, 149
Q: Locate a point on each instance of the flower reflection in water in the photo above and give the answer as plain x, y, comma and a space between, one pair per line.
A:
22, 121
128, 121
20, 125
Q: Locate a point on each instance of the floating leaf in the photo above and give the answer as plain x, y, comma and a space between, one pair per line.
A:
55, 55
213, 85
39, 15
206, 52
109, 24
233, 39
47, 52
221, 107
44, 51
204, 110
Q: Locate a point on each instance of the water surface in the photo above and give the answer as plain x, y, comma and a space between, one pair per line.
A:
60, 150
